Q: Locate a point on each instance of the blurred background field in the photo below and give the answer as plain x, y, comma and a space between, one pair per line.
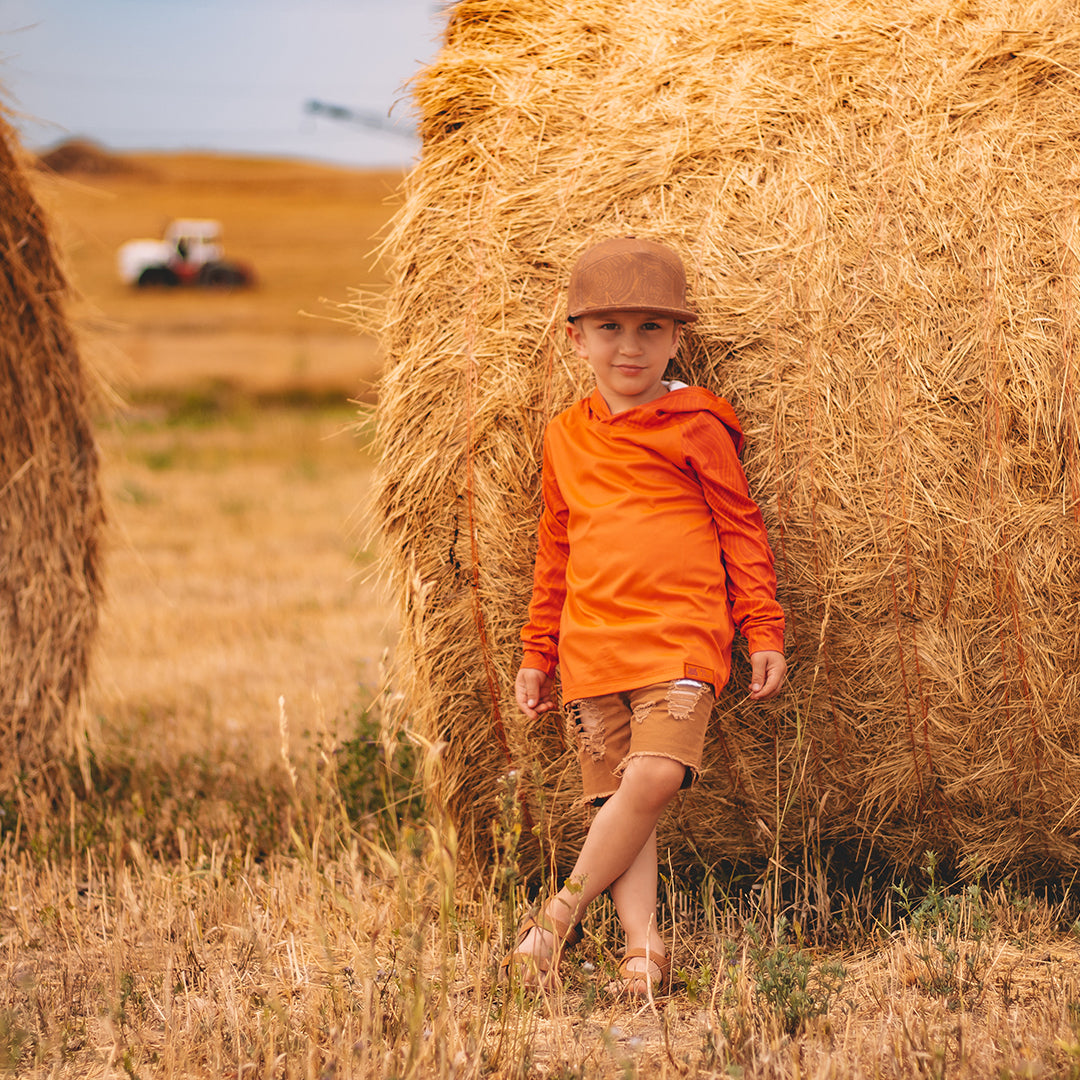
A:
235, 474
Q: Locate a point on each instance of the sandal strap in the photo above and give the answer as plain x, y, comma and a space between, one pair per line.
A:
564, 933
662, 964
540, 964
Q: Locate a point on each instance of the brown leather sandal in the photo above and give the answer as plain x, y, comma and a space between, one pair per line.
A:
535, 970
642, 984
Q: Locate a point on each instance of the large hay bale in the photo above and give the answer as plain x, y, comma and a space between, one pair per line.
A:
877, 206
50, 503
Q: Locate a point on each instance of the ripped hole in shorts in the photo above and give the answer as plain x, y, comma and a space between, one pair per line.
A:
642, 710
682, 696
589, 721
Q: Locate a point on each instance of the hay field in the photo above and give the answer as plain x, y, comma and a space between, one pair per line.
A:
238, 896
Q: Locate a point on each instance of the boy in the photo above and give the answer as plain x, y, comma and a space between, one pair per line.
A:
650, 552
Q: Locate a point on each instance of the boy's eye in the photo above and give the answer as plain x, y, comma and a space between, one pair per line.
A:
650, 326
609, 326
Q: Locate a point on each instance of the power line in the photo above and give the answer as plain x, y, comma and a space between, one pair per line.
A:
362, 117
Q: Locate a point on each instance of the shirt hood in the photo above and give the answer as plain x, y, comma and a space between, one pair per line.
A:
687, 399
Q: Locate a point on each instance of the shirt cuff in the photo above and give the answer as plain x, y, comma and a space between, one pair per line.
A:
540, 661
765, 639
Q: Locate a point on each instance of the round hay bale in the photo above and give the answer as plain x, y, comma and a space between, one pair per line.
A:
83, 157
878, 209
50, 504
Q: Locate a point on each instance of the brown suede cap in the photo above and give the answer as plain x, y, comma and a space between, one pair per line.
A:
628, 274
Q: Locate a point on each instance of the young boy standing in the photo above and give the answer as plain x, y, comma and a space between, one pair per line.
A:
651, 552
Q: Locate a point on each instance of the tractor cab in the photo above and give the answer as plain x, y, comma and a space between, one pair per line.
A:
194, 243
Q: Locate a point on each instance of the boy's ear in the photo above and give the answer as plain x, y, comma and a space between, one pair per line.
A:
675, 340
575, 335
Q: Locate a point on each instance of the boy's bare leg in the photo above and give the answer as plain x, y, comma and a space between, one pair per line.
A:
634, 895
622, 828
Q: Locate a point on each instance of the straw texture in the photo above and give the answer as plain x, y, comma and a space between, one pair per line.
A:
878, 209
50, 504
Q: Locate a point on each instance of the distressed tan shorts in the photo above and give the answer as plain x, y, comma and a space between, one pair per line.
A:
662, 720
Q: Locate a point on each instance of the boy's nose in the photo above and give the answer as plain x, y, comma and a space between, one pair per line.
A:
630, 345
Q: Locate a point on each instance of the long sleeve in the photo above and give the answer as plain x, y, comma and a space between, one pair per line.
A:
540, 636
748, 559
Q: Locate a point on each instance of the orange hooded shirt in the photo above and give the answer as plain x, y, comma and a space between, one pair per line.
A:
651, 550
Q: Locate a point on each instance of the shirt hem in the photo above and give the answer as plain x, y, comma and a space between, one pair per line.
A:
634, 680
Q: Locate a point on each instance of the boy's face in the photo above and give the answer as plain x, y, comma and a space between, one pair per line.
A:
628, 352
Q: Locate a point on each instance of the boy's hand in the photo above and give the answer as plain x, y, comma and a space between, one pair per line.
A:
533, 690
768, 674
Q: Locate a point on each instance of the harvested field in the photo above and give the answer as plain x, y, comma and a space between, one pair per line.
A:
307, 230
237, 575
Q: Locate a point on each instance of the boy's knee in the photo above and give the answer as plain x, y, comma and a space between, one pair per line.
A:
654, 778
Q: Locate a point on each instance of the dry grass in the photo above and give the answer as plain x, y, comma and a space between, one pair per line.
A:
339, 958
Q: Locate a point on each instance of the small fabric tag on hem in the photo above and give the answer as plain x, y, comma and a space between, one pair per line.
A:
701, 674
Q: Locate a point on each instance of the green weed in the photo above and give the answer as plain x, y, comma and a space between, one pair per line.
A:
949, 930
160, 460
14, 1039
698, 980
131, 491
376, 775
787, 981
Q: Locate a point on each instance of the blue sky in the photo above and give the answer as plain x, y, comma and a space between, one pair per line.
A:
229, 75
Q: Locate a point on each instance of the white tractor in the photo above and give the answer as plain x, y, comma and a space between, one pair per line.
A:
189, 254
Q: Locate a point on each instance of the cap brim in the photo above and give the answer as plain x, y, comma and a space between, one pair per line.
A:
679, 314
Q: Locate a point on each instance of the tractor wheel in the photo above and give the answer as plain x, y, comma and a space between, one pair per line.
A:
157, 277
222, 275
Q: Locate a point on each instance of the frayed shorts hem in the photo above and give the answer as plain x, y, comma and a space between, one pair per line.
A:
693, 775
666, 720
